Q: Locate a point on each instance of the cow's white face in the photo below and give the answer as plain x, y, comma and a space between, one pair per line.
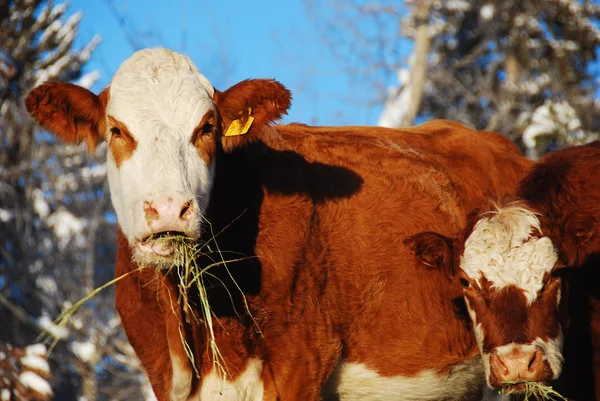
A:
160, 159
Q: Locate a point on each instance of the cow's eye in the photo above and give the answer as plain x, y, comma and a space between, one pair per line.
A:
208, 129
115, 131
464, 282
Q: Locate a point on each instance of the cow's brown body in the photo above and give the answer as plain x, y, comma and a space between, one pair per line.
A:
325, 211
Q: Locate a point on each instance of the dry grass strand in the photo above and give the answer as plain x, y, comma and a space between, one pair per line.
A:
535, 391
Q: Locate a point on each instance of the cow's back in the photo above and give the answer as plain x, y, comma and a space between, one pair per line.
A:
563, 179
454, 165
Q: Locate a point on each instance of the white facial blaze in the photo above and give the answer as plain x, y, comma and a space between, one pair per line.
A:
477, 327
479, 337
161, 97
502, 249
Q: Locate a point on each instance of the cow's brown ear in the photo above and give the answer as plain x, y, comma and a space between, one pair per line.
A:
433, 250
248, 106
72, 113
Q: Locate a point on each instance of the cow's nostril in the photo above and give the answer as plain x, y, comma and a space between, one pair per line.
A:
536, 361
150, 211
498, 363
186, 210
532, 361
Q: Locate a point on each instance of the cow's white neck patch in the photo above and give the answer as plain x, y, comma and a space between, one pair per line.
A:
181, 382
358, 382
502, 249
248, 386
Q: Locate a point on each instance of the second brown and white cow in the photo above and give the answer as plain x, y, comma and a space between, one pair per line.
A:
316, 216
531, 271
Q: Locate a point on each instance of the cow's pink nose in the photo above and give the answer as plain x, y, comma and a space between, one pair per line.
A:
168, 215
517, 365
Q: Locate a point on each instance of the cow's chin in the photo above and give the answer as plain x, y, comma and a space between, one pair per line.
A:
159, 250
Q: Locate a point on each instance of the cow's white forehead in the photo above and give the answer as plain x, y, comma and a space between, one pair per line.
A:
502, 249
159, 85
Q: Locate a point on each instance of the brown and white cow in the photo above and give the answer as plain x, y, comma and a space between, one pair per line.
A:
343, 309
514, 260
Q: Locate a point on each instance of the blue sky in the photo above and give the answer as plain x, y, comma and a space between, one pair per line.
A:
233, 40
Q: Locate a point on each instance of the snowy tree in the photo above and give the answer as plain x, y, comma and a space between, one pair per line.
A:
57, 229
496, 65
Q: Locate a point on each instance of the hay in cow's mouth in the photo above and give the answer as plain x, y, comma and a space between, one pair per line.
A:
175, 235
161, 245
189, 276
531, 391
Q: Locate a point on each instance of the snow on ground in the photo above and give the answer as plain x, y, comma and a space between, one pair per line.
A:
34, 382
36, 363
24, 373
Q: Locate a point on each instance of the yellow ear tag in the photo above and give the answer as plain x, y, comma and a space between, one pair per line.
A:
235, 128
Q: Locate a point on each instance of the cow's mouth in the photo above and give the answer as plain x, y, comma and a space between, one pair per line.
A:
161, 244
513, 388
531, 390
